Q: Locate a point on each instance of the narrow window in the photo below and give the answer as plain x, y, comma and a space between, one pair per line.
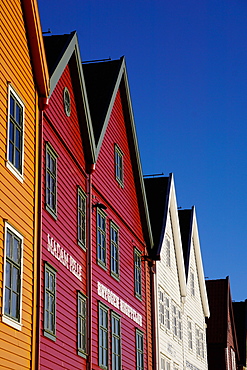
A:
165, 364
51, 180
139, 351
119, 165
114, 250
190, 342
199, 343
167, 313
81, 218
177, 322
192, 283
168, 252
116, 344
138, 273
233, 358
162, 306
101, 237
50, 303
12, 277
103, 336
82, 325
15, 152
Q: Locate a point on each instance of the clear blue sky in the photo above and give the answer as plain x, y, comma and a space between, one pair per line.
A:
187, 68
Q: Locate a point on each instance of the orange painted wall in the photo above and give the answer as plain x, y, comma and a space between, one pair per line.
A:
18, 204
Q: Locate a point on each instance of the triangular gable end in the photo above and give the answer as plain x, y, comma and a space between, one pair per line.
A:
119, 82
195, 243
66, 48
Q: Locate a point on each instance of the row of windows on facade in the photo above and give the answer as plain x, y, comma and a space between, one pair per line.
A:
170, 317
51, 180
109, 327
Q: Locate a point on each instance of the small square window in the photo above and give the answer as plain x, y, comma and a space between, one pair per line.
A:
81, 218
51, 180
50, 302
15, 144
13, 264
119, 165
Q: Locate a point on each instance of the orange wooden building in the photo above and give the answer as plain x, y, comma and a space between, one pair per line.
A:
24, 88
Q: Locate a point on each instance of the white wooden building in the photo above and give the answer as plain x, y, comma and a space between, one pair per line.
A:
179, 288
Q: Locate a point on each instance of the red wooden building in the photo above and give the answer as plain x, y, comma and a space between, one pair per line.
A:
121, 236
222, 343
94, 275
67, 148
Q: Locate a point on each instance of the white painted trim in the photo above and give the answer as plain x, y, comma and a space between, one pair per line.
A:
6, 319
9, 165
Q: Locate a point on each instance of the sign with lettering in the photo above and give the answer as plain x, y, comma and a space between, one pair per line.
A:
64, 257
117, 302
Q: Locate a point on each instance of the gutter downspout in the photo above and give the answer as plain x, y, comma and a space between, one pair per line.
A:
90, 171
43, 104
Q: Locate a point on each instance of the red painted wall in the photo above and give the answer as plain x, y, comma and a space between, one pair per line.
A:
63, 133
123, 210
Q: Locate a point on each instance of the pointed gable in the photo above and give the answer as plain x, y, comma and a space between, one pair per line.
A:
113, 122
63, 56
191, 247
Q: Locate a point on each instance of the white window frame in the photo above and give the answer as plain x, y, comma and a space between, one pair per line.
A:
165, 363
168, 251
19, 175
114, 247
190, 334
200, 348
162, 307
47, 332
139, 350
137, 273
5, 318
101, 239
51, 152
177, 322
81, 324
167, 312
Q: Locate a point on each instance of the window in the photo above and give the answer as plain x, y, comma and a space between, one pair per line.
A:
81, 218
138, 273
12, 295
162, 306
51, 180
190, 341
139, 351
116, 344
119, 165
199, 342
165, 364
101, 237
233, 358
82, 325
50, 302
15, 145
114, 250
66, 101
192, 283
103, 336
168, 252
167, 313
177, 322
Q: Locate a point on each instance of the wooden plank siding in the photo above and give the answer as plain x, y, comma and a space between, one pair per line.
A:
17, 200
64, 135
123, 210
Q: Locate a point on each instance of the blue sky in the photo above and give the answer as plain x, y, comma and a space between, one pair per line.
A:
187, 69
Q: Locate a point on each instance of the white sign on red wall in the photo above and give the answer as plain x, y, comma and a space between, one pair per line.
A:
64, 257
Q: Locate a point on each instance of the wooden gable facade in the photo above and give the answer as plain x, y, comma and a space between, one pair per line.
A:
221, 333
24, 89
196, 308
121, 329
170, 284
66, 150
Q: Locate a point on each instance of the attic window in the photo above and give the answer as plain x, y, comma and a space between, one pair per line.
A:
66, 101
